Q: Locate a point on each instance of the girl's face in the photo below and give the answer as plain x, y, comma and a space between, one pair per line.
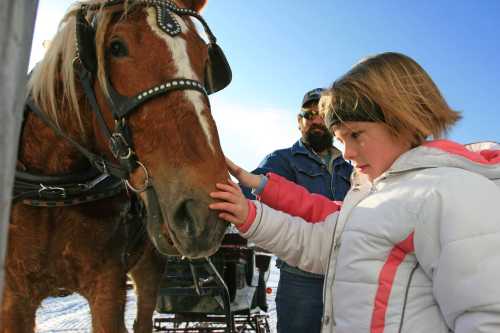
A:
370, 146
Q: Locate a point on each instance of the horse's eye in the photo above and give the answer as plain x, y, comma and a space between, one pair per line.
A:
118, 49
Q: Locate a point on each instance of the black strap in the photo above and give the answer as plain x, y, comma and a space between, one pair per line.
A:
86, 81
119, 140
29, 187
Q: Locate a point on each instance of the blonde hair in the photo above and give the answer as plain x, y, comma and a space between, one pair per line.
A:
393, 89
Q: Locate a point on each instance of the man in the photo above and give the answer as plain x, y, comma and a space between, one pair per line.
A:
317, 165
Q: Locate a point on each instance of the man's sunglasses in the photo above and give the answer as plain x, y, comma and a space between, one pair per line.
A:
308, 114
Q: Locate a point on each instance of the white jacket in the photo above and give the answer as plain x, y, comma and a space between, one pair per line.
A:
416, 251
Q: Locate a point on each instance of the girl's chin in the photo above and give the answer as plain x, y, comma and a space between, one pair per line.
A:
368, 172
363, 169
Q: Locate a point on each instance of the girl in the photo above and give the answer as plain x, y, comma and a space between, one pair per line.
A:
415, 247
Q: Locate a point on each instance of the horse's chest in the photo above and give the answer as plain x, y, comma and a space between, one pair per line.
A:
57, 247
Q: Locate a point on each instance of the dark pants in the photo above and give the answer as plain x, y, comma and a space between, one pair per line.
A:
299, 303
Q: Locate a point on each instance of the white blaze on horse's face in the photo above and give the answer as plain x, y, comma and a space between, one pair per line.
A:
177, 46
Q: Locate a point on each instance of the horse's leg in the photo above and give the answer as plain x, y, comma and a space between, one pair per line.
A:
107, 302
18, 313
146, 275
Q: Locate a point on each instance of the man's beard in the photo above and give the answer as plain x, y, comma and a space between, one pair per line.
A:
318, 138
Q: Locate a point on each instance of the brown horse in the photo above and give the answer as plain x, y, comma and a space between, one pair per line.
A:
117, 100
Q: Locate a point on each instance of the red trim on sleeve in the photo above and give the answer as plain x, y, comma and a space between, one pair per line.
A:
252, 212
483, 157
385, 281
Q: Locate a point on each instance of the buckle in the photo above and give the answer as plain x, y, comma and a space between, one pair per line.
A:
120, 147
52, 190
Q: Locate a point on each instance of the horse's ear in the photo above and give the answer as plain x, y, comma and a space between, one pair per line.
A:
196, 5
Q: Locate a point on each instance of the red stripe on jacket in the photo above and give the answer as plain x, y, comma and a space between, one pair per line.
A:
385, 282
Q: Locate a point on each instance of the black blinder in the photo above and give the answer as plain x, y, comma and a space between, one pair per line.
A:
85, 42
218, 73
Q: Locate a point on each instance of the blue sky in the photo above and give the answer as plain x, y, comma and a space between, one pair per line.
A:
278, 49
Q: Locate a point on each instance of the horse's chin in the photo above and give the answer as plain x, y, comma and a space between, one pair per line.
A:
205, 244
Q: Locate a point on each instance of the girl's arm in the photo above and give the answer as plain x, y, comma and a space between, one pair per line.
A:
457, 239
282, 194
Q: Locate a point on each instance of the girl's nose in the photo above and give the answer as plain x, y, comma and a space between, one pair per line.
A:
349, 152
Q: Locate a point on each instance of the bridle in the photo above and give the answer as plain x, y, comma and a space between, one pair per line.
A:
217, 73
217, 76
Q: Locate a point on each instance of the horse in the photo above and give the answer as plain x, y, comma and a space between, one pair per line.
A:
117, 157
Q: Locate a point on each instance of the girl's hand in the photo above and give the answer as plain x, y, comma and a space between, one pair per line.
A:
244, 177
233, 206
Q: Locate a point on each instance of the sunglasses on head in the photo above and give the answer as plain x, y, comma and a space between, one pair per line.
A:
308, 114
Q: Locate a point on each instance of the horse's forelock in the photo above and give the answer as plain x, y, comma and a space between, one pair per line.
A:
105, 18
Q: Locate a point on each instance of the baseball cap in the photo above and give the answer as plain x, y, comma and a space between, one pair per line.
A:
312, 95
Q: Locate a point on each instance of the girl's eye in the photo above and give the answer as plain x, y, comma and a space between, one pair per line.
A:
118, 49
355, 135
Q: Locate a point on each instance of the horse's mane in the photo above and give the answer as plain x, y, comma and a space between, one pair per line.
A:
52, 84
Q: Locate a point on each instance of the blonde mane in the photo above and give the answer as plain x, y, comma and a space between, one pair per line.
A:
52, 84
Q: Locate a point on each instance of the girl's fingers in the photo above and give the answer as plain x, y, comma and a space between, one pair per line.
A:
225, 206
226, 196
229, 212
231, 187
231, 208
230, 218
222, 196
235, 186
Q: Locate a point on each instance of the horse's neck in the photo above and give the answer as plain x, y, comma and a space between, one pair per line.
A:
41, 150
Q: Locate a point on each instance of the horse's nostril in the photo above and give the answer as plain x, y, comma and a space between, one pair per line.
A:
185, 217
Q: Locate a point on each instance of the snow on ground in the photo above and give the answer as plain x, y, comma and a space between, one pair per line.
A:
72, 313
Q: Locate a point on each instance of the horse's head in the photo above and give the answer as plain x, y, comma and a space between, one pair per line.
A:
151, 69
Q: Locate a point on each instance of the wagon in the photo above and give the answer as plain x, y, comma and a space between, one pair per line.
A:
223, 293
